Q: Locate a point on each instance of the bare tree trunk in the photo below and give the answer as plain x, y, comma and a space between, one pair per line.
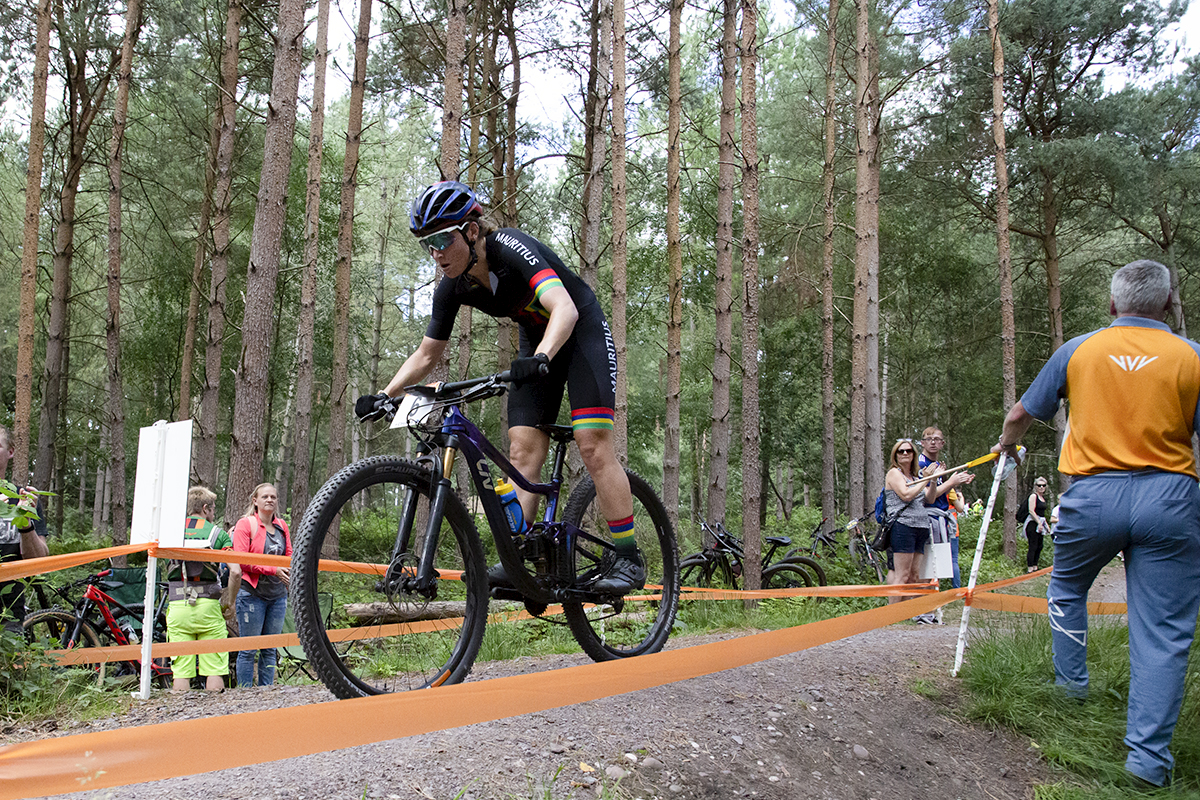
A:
29, 248
718, 478
828, 423
336, 458
305, 330
456, 49
873, 440
671, 443
1008, 327
116, 413
620, 241
200, 257
593, 186
859, 394
214, 330
83, 103
250, 379
99, 489
751, 466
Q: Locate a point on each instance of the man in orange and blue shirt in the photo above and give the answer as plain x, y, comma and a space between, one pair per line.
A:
1133, 390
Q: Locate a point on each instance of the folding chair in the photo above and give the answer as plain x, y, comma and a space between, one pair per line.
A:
292, 658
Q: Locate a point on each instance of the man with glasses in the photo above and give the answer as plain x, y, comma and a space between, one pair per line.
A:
1133, 390
565, 344
942, 524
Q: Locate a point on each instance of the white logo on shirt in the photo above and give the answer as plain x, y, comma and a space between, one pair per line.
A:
1133, 363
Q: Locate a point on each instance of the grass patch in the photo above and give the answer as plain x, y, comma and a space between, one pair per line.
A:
1009, 676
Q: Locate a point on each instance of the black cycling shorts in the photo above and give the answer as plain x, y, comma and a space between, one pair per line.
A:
586, 367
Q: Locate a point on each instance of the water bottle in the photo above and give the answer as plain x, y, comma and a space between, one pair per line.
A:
512, 507
130, 633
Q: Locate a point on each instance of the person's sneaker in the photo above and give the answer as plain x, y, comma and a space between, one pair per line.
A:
623, 576
498, 578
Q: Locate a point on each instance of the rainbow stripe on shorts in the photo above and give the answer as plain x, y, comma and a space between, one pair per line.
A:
584, 419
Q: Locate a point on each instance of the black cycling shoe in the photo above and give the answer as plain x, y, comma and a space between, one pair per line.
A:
498, 578
624, 575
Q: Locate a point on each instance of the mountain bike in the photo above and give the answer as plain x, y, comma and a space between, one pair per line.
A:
868, 561
410, 597
100, 620
721, 562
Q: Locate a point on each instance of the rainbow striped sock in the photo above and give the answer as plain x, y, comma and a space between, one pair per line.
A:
623, 539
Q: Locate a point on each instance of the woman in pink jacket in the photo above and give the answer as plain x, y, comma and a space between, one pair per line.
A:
262, 600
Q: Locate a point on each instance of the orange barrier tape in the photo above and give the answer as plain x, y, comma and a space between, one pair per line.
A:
13, 570
173, 749
860, 590
987, 587
1035, 605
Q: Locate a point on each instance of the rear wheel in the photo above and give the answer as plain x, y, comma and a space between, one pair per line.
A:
54, 629
785, 576
696, 571
366, 630
624, 628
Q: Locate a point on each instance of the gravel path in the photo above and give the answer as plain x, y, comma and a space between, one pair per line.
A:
837, 721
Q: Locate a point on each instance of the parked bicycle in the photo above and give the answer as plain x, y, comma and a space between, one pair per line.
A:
721, 562
99, 620
424, 575
869, 562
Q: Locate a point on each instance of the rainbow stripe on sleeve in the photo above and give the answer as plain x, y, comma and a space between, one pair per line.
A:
592, 418
544, 281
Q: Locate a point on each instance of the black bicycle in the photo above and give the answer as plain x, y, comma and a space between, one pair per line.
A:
721, 562
868, 561
410, 588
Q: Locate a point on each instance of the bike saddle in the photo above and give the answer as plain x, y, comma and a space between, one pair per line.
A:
559, 433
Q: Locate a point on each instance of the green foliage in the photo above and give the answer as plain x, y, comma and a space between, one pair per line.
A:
1009, 675
31, 687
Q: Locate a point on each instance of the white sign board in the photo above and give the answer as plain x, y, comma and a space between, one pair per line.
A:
160, 489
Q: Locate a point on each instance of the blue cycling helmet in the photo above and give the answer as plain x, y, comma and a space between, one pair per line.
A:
441, 205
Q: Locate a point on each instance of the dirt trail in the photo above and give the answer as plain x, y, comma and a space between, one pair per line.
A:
837, 721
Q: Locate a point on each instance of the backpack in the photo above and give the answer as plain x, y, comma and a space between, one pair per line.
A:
1023, 511
880, 508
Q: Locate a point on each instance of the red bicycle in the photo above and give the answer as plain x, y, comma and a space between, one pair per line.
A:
100, 620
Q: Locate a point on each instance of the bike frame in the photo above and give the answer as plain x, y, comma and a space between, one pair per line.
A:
457, 434
95, 597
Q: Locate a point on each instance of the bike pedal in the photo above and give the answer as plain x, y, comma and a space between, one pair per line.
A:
506, 593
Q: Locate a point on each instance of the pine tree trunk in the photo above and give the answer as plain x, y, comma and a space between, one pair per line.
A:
828, 422
1008, 327
620, 241
859, 396
752, 484
305, 330
672, 445
250, 378
718, 478
23, 399
338, 399
214, 330
116, 413
599, 91
873, 439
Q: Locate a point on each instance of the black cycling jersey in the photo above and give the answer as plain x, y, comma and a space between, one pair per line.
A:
521, 270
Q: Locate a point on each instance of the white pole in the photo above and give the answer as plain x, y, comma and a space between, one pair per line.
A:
987, 519
148, 616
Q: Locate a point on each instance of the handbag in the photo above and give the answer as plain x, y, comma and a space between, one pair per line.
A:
883, 537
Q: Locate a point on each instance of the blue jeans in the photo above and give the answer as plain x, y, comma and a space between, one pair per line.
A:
258, 617
1155, 518
956, 581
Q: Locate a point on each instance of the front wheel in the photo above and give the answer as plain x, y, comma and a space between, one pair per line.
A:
629, 627
54, 629
367, 630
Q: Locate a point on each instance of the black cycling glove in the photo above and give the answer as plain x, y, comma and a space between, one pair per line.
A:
369, 407
529, 369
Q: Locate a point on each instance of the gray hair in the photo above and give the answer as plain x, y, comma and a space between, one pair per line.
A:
1142, 288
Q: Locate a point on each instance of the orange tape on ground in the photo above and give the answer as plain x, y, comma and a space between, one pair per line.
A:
1035, 605
154, 752
26, 567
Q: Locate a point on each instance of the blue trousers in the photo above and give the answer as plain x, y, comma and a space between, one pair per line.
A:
1155, 518
258, 617
956, 581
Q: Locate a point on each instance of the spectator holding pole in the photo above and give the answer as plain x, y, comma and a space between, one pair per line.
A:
1133, 390
262, 599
